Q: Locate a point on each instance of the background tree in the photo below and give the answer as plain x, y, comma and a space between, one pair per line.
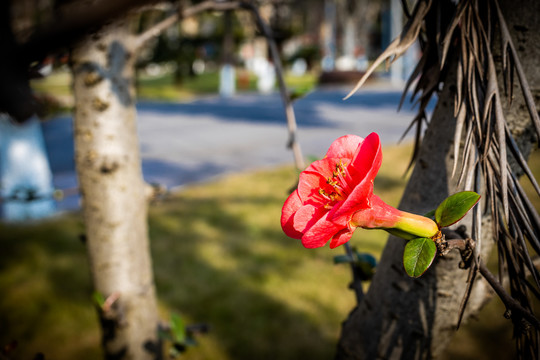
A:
107, 158
112, 188
113, 192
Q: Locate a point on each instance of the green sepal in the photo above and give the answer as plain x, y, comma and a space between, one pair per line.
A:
418, 256
401, 234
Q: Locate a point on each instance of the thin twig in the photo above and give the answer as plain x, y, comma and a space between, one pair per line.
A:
289, 111
510, 303
156, 30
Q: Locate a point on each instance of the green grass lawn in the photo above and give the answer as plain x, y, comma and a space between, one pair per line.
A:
220, 258
163, 87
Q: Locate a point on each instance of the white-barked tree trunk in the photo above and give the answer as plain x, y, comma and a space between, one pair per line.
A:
113, 198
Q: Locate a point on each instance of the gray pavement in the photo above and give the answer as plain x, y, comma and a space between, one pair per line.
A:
182, 143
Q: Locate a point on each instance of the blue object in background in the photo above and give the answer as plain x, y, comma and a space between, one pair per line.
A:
25, 176
227, 81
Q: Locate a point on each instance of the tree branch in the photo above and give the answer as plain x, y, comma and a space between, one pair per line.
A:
511, 304
289, 111
188, 12
72, 21
155, 30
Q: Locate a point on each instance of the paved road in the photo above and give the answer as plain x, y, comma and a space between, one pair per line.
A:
188, 142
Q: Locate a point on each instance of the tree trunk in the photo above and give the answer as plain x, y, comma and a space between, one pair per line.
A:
405, 318
401, 317
523, 22
110, 177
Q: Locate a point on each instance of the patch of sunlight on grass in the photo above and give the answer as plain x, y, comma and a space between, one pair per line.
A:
164, 87
165, 93
302, 83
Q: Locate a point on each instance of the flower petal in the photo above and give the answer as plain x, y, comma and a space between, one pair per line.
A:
308, 187
314, 178
291, 206
378, 215
307, 216
344, 147
367, 160
340, 238
359, 199
320, 233
325, 166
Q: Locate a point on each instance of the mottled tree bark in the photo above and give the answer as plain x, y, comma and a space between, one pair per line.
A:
115, 210
405, 318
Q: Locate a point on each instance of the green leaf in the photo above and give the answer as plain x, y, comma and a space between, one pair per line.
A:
455, 207
178, 329
418, 256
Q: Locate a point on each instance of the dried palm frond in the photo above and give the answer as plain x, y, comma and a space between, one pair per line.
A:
483, 163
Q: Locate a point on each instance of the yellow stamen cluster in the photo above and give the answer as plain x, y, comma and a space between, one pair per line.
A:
332, 197
340, 169
336, 181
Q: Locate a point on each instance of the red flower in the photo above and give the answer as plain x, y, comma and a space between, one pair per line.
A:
335, 196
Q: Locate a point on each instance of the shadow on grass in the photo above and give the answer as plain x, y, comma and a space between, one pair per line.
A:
225, 271
45, 285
